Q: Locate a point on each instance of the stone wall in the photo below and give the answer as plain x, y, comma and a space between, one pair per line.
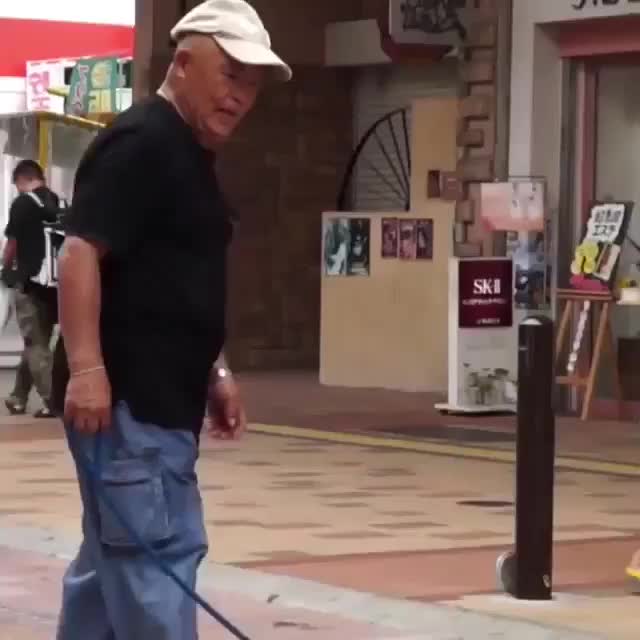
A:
280, 173
483, 124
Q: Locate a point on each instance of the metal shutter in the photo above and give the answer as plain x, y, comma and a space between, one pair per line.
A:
379, 90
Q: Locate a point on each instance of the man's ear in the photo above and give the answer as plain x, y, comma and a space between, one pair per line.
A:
181, 59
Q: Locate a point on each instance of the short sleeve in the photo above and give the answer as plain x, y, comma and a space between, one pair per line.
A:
111, 200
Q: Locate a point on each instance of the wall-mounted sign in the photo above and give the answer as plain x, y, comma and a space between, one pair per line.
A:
596, 258
482, 349
516, 205
485, 293
578, 5
427, 22
93, 87
42, 75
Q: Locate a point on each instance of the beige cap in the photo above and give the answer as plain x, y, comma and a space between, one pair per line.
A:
237, 28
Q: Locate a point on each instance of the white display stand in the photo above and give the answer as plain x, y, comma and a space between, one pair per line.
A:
482, 340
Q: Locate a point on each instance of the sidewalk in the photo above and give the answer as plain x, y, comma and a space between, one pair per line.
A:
374, 494
297, 398
29, 596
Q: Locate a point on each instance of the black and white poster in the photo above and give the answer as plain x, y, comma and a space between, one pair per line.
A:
346, 246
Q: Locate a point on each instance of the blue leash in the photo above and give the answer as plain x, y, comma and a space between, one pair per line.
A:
93, 472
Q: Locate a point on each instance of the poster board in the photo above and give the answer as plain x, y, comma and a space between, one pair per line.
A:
384, 325
42, 75
388, 329
518, 208
596, 258
482, 360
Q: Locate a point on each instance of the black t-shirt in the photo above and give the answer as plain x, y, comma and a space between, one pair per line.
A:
26, 218
147, 191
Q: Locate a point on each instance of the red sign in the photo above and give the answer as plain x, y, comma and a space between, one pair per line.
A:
485, 293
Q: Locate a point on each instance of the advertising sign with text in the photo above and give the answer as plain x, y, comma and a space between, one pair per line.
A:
482, 348
485, 293
42, 75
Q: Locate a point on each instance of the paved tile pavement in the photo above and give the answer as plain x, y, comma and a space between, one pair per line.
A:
297, 398
397, 523
281, 499
29, 595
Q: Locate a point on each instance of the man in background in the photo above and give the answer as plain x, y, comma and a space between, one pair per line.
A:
35, 303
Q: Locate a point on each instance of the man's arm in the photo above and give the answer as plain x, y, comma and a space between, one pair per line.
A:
9, 253
79, 303
107, 216
11, 247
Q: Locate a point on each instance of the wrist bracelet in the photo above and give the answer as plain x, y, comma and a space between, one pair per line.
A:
220, 373
84, 372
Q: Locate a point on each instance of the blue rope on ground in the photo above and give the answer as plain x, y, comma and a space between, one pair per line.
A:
92, 470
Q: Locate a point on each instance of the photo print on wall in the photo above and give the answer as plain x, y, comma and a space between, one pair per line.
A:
346, 246
424, 239
336, 246
408, 240
358, 258
389, 244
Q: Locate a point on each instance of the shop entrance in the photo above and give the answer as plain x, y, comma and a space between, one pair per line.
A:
606, 151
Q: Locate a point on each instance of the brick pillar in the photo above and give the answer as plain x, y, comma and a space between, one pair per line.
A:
483, 120
154, 21
281, 170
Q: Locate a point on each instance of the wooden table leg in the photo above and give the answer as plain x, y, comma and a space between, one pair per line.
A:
562, 328
613, 351
603, 323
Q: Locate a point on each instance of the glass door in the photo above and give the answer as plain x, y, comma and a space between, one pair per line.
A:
617, 177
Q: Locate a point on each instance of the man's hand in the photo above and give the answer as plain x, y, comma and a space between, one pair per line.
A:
227, 419
87, 406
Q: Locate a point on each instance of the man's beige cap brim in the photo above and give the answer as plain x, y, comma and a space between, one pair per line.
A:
254, 54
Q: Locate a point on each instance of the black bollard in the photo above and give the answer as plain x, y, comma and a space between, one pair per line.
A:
535, 453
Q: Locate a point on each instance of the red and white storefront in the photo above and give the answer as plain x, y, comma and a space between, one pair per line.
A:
48, 32
55, 29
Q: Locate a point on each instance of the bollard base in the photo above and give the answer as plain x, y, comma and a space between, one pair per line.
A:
506, 572
506, 575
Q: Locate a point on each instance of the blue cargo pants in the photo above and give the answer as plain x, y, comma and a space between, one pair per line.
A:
112, 590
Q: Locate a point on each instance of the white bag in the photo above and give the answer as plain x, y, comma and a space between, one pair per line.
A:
48, 274
6, 305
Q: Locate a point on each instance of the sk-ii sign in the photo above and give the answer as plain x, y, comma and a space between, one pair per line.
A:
487, 287
485, 293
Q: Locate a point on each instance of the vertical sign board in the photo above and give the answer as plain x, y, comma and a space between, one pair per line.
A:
482, 359
596, 258
43, 75
94, 85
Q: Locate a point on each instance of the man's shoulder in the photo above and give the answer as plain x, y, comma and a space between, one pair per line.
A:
24, 203
150, 119
140, 130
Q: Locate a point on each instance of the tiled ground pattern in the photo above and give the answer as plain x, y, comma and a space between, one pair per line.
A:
29, 602
296, 398
280, 499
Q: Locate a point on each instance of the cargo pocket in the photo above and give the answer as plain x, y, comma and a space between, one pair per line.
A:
135, 488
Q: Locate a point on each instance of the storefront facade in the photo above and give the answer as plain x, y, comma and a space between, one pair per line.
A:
575, 120
40, 39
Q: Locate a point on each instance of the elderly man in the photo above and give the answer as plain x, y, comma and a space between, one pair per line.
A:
142, 311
